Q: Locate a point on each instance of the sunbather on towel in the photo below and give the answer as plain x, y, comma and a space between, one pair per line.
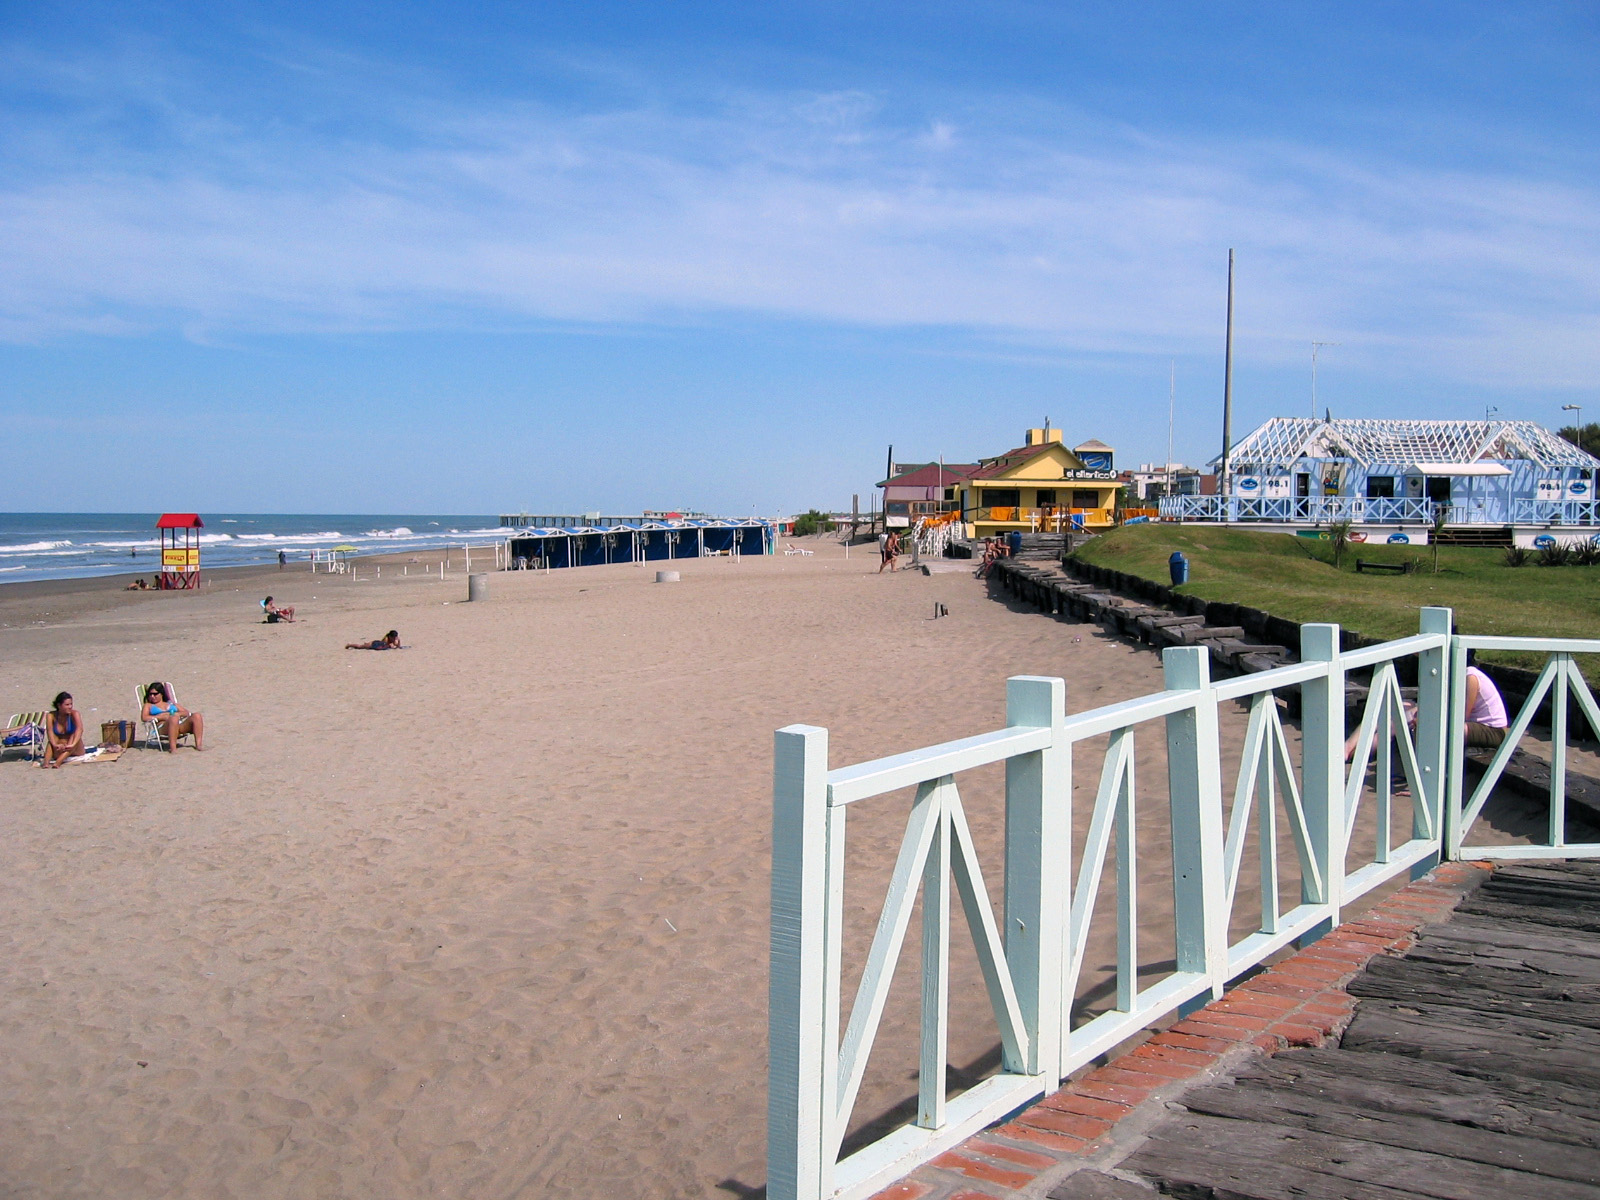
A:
389, 641
175, 719
63, 732
275, 613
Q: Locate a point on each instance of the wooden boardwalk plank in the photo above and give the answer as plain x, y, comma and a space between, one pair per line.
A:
1395, 1083
1321, 1113
1355, 1160
1216, 1173
1559, 999
1511, 1052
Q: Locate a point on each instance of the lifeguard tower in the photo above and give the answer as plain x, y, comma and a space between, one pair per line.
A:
180, 551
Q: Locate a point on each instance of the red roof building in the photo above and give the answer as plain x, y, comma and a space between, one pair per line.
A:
923, 491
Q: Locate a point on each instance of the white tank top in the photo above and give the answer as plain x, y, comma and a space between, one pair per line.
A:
1490, 709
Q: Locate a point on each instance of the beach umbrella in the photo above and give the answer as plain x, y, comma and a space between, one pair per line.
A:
346, 548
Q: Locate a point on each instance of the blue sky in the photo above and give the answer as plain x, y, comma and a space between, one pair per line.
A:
410, 258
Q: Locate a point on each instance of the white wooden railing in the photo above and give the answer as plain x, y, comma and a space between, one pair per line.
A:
1031, 955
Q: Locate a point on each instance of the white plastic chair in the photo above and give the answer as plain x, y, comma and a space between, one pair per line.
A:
154, 738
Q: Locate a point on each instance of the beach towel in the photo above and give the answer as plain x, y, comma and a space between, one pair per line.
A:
24, 736
100, 754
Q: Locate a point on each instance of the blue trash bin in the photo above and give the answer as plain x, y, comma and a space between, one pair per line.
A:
1178, 565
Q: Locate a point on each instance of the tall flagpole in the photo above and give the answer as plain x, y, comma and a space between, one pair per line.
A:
1227, 391
1172, 404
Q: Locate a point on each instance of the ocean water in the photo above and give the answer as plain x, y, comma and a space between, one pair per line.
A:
81, 545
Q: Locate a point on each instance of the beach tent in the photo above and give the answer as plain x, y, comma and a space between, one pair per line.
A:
637, 541
180, 550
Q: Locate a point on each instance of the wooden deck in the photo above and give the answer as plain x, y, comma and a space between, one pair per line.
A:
1470, 1072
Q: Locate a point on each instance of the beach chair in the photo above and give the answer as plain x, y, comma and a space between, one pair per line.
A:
33, 724
154, 739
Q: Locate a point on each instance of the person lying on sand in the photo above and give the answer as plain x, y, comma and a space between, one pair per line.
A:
389, 641
175, 719
276, 614
63, 732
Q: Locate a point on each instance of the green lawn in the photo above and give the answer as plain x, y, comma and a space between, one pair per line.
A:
1293, 577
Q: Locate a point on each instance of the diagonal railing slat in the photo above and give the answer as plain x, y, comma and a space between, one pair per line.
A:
987, 942
873, 990
1257, 743
1092, 865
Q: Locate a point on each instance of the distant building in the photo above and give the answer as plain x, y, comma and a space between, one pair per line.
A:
1492, 482
922, 490
1041, 485
1152, 481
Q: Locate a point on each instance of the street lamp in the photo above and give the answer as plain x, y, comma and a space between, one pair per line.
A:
1578, 420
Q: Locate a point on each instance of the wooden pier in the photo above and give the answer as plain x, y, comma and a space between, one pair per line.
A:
1471, 1069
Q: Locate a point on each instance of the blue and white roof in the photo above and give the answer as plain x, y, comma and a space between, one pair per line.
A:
1417, 443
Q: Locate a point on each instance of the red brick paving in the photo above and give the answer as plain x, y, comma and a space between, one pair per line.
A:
1298, 1002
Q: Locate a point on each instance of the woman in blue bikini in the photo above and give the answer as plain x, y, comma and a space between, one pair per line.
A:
63, 731
175, 719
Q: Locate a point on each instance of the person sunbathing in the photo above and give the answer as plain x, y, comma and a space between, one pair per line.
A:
175, 720
63, 732
276, 614
389, 641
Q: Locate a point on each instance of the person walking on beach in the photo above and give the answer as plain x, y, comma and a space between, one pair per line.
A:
283, 559
891, 551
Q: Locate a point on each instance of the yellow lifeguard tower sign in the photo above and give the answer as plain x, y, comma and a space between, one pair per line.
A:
180, 550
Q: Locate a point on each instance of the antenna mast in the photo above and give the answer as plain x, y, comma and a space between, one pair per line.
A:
1315, 346
1227, 391
1172, 400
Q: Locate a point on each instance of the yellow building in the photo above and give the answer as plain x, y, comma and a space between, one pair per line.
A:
1041, 486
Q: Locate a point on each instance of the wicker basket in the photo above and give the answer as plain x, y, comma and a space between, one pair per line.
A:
117, 733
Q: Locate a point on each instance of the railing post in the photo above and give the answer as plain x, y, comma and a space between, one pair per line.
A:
1194, 781
800, 1064
1322, 738
1433, 711
1455, 749
1038, 867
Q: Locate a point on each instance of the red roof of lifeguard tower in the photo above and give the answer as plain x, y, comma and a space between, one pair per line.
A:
180, 521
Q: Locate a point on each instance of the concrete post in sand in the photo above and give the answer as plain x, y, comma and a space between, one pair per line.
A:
477, 587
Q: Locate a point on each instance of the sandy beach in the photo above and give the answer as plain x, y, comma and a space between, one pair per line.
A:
487, 917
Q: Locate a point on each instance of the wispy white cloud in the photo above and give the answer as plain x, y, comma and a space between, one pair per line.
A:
130, 205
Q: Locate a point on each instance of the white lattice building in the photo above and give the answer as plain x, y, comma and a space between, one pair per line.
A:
1492, 481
